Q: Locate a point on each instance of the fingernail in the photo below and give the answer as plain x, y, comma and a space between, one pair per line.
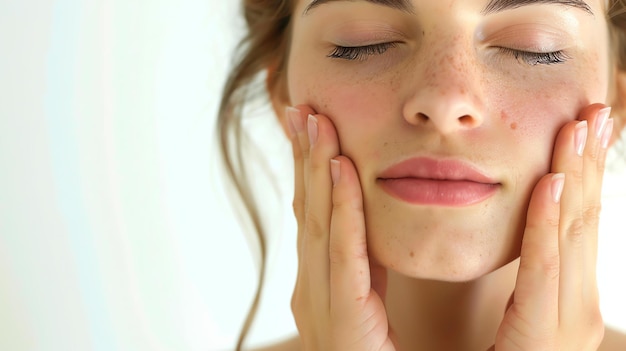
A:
608, 133
290, 127
335, 171
293, 114
558, 181
601, 119
580, 137
313, 131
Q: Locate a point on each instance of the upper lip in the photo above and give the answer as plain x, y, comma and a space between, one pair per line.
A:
437, 169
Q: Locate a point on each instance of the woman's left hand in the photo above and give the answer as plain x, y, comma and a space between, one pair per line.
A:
555, 303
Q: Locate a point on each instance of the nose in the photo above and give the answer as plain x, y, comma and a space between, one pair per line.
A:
447, 93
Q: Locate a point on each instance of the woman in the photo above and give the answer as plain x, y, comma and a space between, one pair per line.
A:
448, 166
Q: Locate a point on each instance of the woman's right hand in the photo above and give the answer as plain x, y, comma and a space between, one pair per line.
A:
338, 297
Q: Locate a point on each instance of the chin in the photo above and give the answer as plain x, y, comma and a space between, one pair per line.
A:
451, 255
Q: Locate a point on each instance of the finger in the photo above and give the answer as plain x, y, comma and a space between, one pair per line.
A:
349, 264
598, 118
537, 287
295, 116
569, 148
300, 125
299, 297
298, 166
324, 145
300, 302
601, 127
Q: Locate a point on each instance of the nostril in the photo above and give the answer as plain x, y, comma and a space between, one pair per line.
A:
422, 117
467, 121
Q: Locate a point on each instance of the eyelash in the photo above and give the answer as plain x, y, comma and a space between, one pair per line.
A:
536, 58
361, 53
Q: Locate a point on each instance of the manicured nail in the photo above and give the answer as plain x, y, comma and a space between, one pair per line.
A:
608, 133
601, 119
313, 131
293, 114
558, 181
335, 171
580, 137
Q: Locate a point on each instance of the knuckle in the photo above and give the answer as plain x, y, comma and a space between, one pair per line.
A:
298, 205
295, 305
299, 302
546, 265
575, 232
318, 167
340, 255
551, 267
314, 226
349, 205
305, 153
337, 256
591, 213
553, 221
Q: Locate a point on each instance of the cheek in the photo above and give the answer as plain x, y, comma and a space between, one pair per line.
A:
532, 111
534, 114
359, 108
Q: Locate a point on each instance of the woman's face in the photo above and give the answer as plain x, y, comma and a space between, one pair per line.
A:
449, 110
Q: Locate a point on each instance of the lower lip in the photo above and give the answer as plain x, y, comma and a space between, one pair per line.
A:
452, 193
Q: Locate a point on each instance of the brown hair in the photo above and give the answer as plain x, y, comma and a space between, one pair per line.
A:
616, 15
265, 47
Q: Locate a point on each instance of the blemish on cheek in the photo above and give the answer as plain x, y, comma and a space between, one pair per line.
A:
503, 115
412, 254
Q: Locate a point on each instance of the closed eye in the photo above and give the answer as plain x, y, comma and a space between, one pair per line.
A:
360, 53
536, 58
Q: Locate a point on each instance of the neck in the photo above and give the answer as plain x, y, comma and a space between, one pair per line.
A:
435, 315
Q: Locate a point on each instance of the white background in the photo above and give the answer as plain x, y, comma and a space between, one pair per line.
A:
115, 233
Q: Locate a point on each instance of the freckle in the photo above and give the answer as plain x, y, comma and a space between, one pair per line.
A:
412, 254
513, 125
503, 115
386, 143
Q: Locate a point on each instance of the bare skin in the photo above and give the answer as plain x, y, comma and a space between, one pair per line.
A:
358, 288
435, 311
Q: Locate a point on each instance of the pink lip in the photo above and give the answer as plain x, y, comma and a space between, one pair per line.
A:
428, 181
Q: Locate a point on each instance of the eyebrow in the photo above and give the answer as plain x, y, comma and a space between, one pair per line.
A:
493, 6
403, 5
502, 5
